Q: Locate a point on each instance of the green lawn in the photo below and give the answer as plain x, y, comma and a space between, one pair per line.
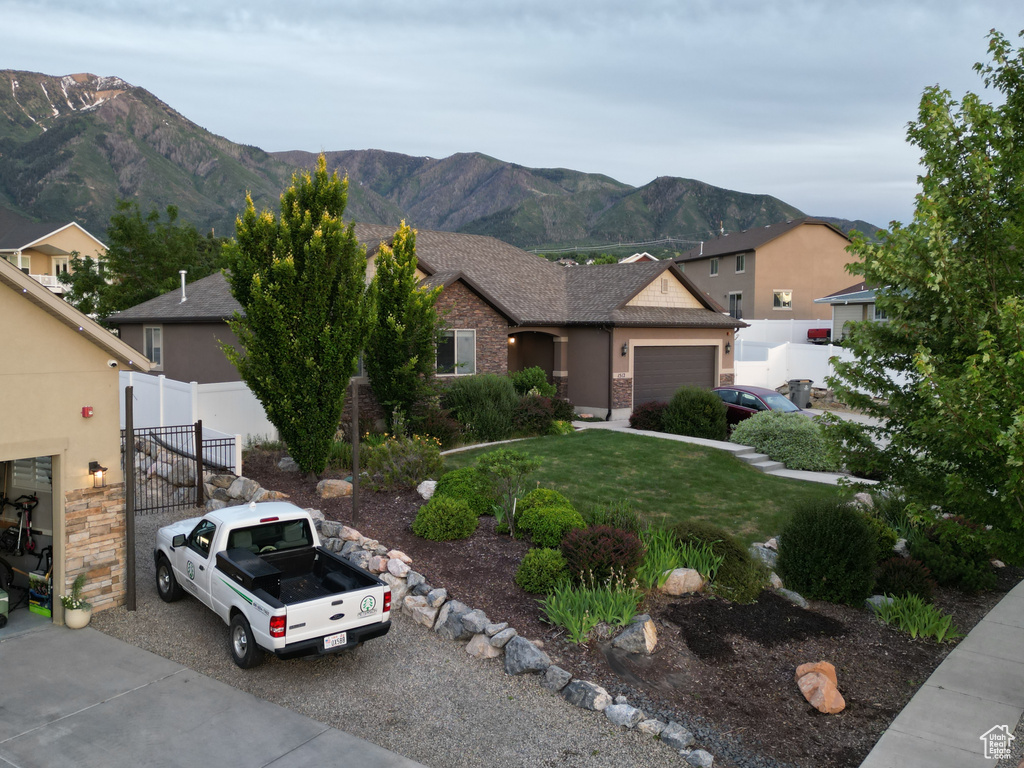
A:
663, 480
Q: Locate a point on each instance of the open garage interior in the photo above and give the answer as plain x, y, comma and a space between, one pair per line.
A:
27, 546
659, 371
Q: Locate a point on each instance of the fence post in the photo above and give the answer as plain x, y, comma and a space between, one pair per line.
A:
160, 398
199, 463
238, 455
195, 401
129, 498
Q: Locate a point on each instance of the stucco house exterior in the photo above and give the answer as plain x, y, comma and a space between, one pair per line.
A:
773, 272
851, 305
61, 414
609, 337
44, 250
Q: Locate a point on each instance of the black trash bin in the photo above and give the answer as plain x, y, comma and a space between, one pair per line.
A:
800, 392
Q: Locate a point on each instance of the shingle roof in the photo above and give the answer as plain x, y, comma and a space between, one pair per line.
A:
209, 300
749, 239
17, 232
855, 294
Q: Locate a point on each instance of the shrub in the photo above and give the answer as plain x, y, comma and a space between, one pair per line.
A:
581, 607
696, 412
739, 578
648, 416
444, 519
546, 516
404, 462
827, 551
470, 485
532, 380
893, 509
506, 470
533, 415
901, 576
957, 553
616, 514
885, 536
562, 409
483, 404
339, 455
791, 438
599, 551
664, 553
437, 422
541, 570
913, 615
561, 428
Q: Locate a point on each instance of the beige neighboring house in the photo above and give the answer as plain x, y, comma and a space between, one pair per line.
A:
773, 272
44, 250
61, 382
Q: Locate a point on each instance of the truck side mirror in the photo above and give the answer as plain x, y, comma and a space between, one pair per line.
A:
178, 541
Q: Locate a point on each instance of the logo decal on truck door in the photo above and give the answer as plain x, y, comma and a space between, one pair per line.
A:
367, 604
191, 570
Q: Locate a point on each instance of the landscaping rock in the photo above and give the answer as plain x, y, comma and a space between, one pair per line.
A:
333, 489
586, 695
449, 621
651, 727
901, 548
500, 640
493, 629
555, 678
864, 500
426, 489
479, 648
422, 589
522, 656
396, 554
624, 715
700, 759
818, 684
436, 597
875, 602
682, 581
761, 553
677, 737
243, 488
288, 464
348, 547
638, 637
416, 605
793, 597
772, 544
414, 578
397, 568
349, 534
826, 668
399, 589
774, 581
475, 621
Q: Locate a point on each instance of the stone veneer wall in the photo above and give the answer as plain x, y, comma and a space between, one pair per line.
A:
460, 309
622, 393
726, 379
95, 544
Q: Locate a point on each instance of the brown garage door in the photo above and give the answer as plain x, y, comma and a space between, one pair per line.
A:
659, 371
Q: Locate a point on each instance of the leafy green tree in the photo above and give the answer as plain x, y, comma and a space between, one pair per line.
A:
84, 283
145, 255
301, 281
952, 285
402, 343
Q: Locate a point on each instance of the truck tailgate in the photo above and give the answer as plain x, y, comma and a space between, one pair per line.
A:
336, 613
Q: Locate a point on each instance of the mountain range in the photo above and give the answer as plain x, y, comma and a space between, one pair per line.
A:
71, 146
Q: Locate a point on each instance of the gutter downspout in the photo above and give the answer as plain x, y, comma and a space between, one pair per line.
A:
611, 360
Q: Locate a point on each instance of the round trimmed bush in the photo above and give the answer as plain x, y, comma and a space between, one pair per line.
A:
649, 416
444, 519
792, 438
899, 576
957, 553
541, 570
739, 578
532, 379
533, 415
598, 551
562, 409
696, 412
470, 485
546, 516
827, 551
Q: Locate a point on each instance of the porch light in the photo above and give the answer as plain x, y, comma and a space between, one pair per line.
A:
511, 339
97, 472
728, 347
625, 348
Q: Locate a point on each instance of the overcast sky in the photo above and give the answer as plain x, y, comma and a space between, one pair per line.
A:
806, 101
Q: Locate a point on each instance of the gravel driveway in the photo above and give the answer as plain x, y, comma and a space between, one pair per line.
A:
410, 691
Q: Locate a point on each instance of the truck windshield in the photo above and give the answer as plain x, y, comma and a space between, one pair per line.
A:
270, 537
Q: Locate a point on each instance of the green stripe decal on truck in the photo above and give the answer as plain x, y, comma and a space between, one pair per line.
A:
240, 594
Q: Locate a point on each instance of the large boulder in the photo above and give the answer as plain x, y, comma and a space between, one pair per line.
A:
333, 489
676, 736
639, 637
449, 621
480, 648
682, 581
818, 683
586, 695
624, 715
522, 656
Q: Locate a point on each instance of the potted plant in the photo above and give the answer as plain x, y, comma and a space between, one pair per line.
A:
77, 611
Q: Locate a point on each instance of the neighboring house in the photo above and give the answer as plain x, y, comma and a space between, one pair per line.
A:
609, 337
62, 414
645, 256
44, 251
851, 305
772, 272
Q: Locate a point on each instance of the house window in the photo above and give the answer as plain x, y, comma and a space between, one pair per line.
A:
664, 285
736, 305
20, 260
741, 263
456, 353
879, 314
35, 474
782, 299
153, 345
714, 267
60, 265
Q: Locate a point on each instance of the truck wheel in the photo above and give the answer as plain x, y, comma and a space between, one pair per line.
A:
244, 650
166, 585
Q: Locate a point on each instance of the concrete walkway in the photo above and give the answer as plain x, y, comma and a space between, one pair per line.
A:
977, 690
742, 452
82, 698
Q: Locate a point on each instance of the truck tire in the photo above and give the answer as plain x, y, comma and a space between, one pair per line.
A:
244, 650
166, 585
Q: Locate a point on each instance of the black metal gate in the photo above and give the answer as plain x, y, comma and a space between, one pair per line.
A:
169, 463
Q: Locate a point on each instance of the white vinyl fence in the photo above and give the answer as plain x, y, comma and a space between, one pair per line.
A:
226, 409
759, 364
775, 332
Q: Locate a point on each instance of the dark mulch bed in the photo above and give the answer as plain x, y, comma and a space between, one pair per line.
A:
720, 668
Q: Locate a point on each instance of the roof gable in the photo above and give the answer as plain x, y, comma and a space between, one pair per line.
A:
751, 239
18, 233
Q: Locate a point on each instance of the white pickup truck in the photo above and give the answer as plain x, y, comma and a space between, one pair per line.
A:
260, 567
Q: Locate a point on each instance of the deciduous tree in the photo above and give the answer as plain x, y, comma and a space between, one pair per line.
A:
301, 281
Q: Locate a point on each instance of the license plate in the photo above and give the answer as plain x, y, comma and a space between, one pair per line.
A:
334, 641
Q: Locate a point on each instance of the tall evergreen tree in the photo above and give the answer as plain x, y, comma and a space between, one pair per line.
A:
952, 285
301, 281
401, 348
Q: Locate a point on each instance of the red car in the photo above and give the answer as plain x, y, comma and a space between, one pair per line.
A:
743, 402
